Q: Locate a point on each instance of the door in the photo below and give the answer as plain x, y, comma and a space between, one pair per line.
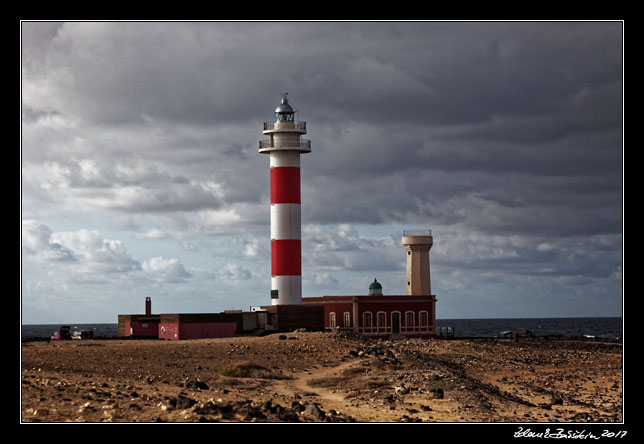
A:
395, 322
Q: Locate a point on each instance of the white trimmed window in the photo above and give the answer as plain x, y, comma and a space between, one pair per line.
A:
424, 319
409, 319
382, 319
366, 319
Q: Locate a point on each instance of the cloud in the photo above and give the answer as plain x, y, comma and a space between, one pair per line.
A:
325, 279
86, 255
461, 98
83, 251
165, 270
129, 185
37, 242
94, 253
256, 248
233, 272
521, 255
341, 248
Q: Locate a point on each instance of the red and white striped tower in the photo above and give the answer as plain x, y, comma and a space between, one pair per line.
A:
284, 147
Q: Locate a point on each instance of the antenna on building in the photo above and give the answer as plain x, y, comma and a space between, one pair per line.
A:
285, 99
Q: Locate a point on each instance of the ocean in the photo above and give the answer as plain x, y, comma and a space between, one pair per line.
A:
597, 327
46, 330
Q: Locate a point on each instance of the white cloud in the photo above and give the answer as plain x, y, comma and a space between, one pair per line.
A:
153, 233
325, 279
256, 248
545, 246
96, 254
88, 255
37, 242
233, 272
341, 248
165, 270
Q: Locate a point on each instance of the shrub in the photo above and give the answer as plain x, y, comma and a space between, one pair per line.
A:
249, 370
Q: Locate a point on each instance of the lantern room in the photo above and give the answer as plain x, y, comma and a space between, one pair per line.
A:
284, 112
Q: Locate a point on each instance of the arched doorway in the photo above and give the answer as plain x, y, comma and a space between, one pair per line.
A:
395, 322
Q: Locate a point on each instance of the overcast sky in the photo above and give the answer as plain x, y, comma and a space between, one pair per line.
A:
141, 176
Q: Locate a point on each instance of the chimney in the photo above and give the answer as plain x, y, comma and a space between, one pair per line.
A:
148, 306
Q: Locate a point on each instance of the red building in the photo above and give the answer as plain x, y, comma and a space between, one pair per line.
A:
379, 316
139, 325
175, 326
199, 325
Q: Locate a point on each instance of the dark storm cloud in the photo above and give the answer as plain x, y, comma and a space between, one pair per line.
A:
500, 126
458, 73
431, 73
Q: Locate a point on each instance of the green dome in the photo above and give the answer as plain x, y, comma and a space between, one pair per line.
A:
375, 288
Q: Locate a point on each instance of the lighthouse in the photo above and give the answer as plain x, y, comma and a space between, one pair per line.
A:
284, 147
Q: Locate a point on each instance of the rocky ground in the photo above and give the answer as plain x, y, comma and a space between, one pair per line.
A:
322, 377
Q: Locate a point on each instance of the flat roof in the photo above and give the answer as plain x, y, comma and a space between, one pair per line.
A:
370, 298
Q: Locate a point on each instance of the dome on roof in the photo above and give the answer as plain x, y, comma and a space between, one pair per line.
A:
375, 288
284, 112
284, 107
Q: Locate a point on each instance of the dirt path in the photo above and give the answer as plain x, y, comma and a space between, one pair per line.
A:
328, 398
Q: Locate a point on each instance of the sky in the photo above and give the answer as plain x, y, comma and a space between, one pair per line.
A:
141, 177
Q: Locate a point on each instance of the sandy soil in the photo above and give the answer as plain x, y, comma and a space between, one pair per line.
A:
322, 377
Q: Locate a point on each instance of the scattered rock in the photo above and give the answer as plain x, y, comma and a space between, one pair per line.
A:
438, 393
556, 400
181, 402
401, 390
406, 418
314, 412
41, 412
249, 411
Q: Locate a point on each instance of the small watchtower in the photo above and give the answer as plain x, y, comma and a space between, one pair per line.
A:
418, 243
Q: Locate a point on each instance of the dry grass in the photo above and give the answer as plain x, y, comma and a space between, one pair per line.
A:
249, 369
329, 381
346, 376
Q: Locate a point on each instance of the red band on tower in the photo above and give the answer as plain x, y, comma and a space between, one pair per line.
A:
286, 257
285, 185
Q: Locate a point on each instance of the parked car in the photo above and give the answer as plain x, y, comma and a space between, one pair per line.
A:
62, 334
83, 334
